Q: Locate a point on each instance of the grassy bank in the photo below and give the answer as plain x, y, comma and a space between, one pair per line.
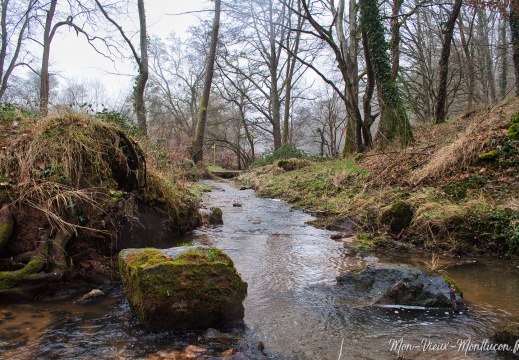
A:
454, 190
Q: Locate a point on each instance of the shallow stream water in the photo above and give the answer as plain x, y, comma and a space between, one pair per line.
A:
292, 306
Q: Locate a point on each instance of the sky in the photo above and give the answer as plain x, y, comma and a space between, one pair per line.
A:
73, 58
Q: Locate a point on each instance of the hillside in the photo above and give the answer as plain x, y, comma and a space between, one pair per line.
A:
454, 190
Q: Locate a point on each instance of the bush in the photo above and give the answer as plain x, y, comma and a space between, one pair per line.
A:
284, 152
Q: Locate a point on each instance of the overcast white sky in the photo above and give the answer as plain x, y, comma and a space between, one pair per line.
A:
72, 57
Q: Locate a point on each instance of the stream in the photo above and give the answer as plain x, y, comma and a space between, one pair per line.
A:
292, 307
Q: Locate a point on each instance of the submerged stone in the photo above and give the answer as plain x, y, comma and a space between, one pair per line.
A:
389, 284
189, 287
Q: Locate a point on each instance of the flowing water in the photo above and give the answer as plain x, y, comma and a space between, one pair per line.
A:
292, 305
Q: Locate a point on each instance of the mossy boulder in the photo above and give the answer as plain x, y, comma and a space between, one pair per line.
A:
398, 215
293, 164
216, 216
390, 284
189, 287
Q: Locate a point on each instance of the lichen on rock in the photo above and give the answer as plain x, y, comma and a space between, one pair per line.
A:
189, 287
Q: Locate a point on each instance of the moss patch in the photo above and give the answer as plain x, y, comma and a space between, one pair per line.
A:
397, 216
181, 288
10, 279
513, 132
490, 155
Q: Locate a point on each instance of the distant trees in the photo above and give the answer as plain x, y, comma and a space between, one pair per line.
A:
389, 63
14, 26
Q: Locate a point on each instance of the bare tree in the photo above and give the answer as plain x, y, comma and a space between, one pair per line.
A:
439, 115
141, 58
197, 150
14, 22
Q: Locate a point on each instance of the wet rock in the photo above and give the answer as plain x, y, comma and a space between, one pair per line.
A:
250, 351
389, 284
216, 216
213, 216
507, 334
91, 295
189, 287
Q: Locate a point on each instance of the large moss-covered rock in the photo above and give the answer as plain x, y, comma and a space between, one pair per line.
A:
189, 287
389, 284
397, 216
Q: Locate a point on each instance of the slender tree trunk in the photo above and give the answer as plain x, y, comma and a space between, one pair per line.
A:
514, 29
395, 38
291, 65
503, 77
44, 75
486, 56
275, 101
6, 73
142, 79
469, 60
198, 141
441, 100
369, 118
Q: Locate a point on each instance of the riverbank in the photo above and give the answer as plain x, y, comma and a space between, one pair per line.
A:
453, 191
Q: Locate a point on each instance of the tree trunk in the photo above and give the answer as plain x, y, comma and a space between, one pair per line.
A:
441, 101
489, 85
469, 59
142, 79
198, 141
395, 38
369, 118
291, 65
514, 28
503, 77
6, 73
44, 75
394, 122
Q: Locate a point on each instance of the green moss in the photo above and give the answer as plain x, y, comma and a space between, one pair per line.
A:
459, 190
216, 217
515, 118
200, 281
449, 281
293, 164
397, 216
366, 242
359, 157
490, 155
10, 279
513, 131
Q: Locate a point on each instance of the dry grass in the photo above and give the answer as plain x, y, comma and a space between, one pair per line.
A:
465, 150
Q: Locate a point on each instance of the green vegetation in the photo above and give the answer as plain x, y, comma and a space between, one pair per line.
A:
284, 152
460, 198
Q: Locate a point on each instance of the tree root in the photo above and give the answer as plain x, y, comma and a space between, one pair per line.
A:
31, 277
